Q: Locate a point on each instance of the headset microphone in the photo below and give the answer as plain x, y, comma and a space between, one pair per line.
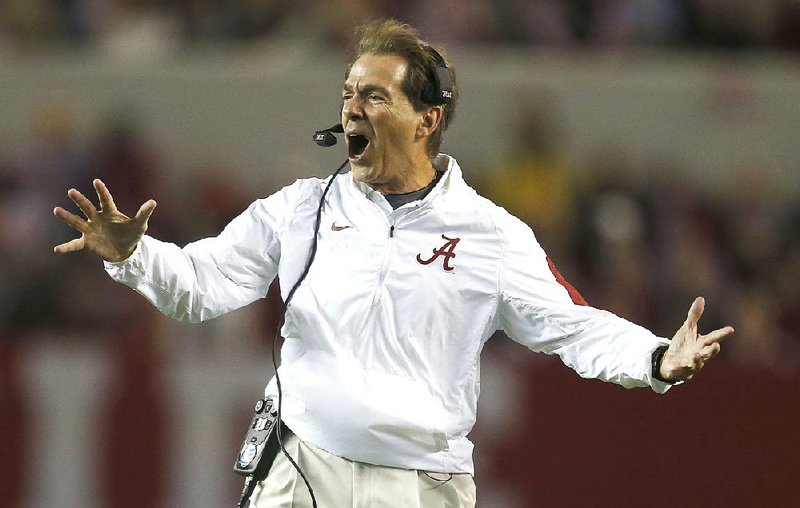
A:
326, 137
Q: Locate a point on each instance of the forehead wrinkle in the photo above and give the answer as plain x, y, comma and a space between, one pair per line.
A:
394, 75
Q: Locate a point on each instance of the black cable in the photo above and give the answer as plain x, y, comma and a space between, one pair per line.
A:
440, 480
289, 297
247, 491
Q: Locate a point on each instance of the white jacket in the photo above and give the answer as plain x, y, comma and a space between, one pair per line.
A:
383, 338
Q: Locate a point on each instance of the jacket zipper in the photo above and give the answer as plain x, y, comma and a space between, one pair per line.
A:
384, 268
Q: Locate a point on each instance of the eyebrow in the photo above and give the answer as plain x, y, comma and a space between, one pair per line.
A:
366, 89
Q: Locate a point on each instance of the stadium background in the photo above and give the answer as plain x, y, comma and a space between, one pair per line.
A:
652, 145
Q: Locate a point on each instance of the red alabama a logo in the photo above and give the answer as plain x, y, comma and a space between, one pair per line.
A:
445, 250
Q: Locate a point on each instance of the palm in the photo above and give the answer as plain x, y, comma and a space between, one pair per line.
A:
107, 232
689, 351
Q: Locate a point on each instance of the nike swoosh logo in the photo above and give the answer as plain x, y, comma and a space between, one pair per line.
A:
334, 227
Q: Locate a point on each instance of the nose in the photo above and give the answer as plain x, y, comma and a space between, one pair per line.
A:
352, 109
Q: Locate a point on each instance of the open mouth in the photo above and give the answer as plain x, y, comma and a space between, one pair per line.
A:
356, 144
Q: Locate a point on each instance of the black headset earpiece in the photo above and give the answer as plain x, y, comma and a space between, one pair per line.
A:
442, 90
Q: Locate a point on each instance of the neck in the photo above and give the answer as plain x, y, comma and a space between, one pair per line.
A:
414, 179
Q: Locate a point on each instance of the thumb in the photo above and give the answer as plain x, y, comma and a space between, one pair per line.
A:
695, 311
144, 213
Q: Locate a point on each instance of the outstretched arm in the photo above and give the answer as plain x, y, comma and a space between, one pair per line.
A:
204, 279
107, 232
689, 351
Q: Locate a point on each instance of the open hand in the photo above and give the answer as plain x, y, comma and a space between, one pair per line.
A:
107, 232
689, 350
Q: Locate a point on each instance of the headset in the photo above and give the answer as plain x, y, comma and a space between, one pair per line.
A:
440, 89
438, 92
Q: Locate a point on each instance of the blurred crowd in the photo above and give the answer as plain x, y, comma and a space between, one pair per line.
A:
43, 291
641, 247
645, 247
730, 24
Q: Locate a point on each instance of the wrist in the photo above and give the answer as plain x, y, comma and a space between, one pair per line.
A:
121, 258
656, 365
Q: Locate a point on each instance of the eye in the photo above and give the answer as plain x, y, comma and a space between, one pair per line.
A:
375, 97
346, 96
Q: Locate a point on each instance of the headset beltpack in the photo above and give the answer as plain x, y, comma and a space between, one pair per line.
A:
259, 448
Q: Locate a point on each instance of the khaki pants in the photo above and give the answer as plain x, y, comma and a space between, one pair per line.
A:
342, 483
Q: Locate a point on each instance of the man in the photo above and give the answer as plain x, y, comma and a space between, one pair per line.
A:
413, 273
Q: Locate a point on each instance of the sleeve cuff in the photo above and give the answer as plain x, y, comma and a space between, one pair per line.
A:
116, 268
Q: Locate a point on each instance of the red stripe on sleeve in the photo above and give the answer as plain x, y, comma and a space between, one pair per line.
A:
577, 299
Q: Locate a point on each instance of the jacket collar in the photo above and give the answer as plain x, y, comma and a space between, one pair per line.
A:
452, 180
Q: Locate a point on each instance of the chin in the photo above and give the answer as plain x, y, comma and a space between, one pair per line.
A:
362, 173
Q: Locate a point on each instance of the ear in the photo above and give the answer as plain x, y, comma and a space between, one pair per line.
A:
429, 121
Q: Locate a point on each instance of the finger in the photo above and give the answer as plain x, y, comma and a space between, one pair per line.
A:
717, 335
84, 204
71, 246
71, 219
706, 354
106, 201
695, 311
144, 213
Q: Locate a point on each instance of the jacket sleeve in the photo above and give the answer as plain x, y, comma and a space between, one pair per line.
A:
536, 310
216, 275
